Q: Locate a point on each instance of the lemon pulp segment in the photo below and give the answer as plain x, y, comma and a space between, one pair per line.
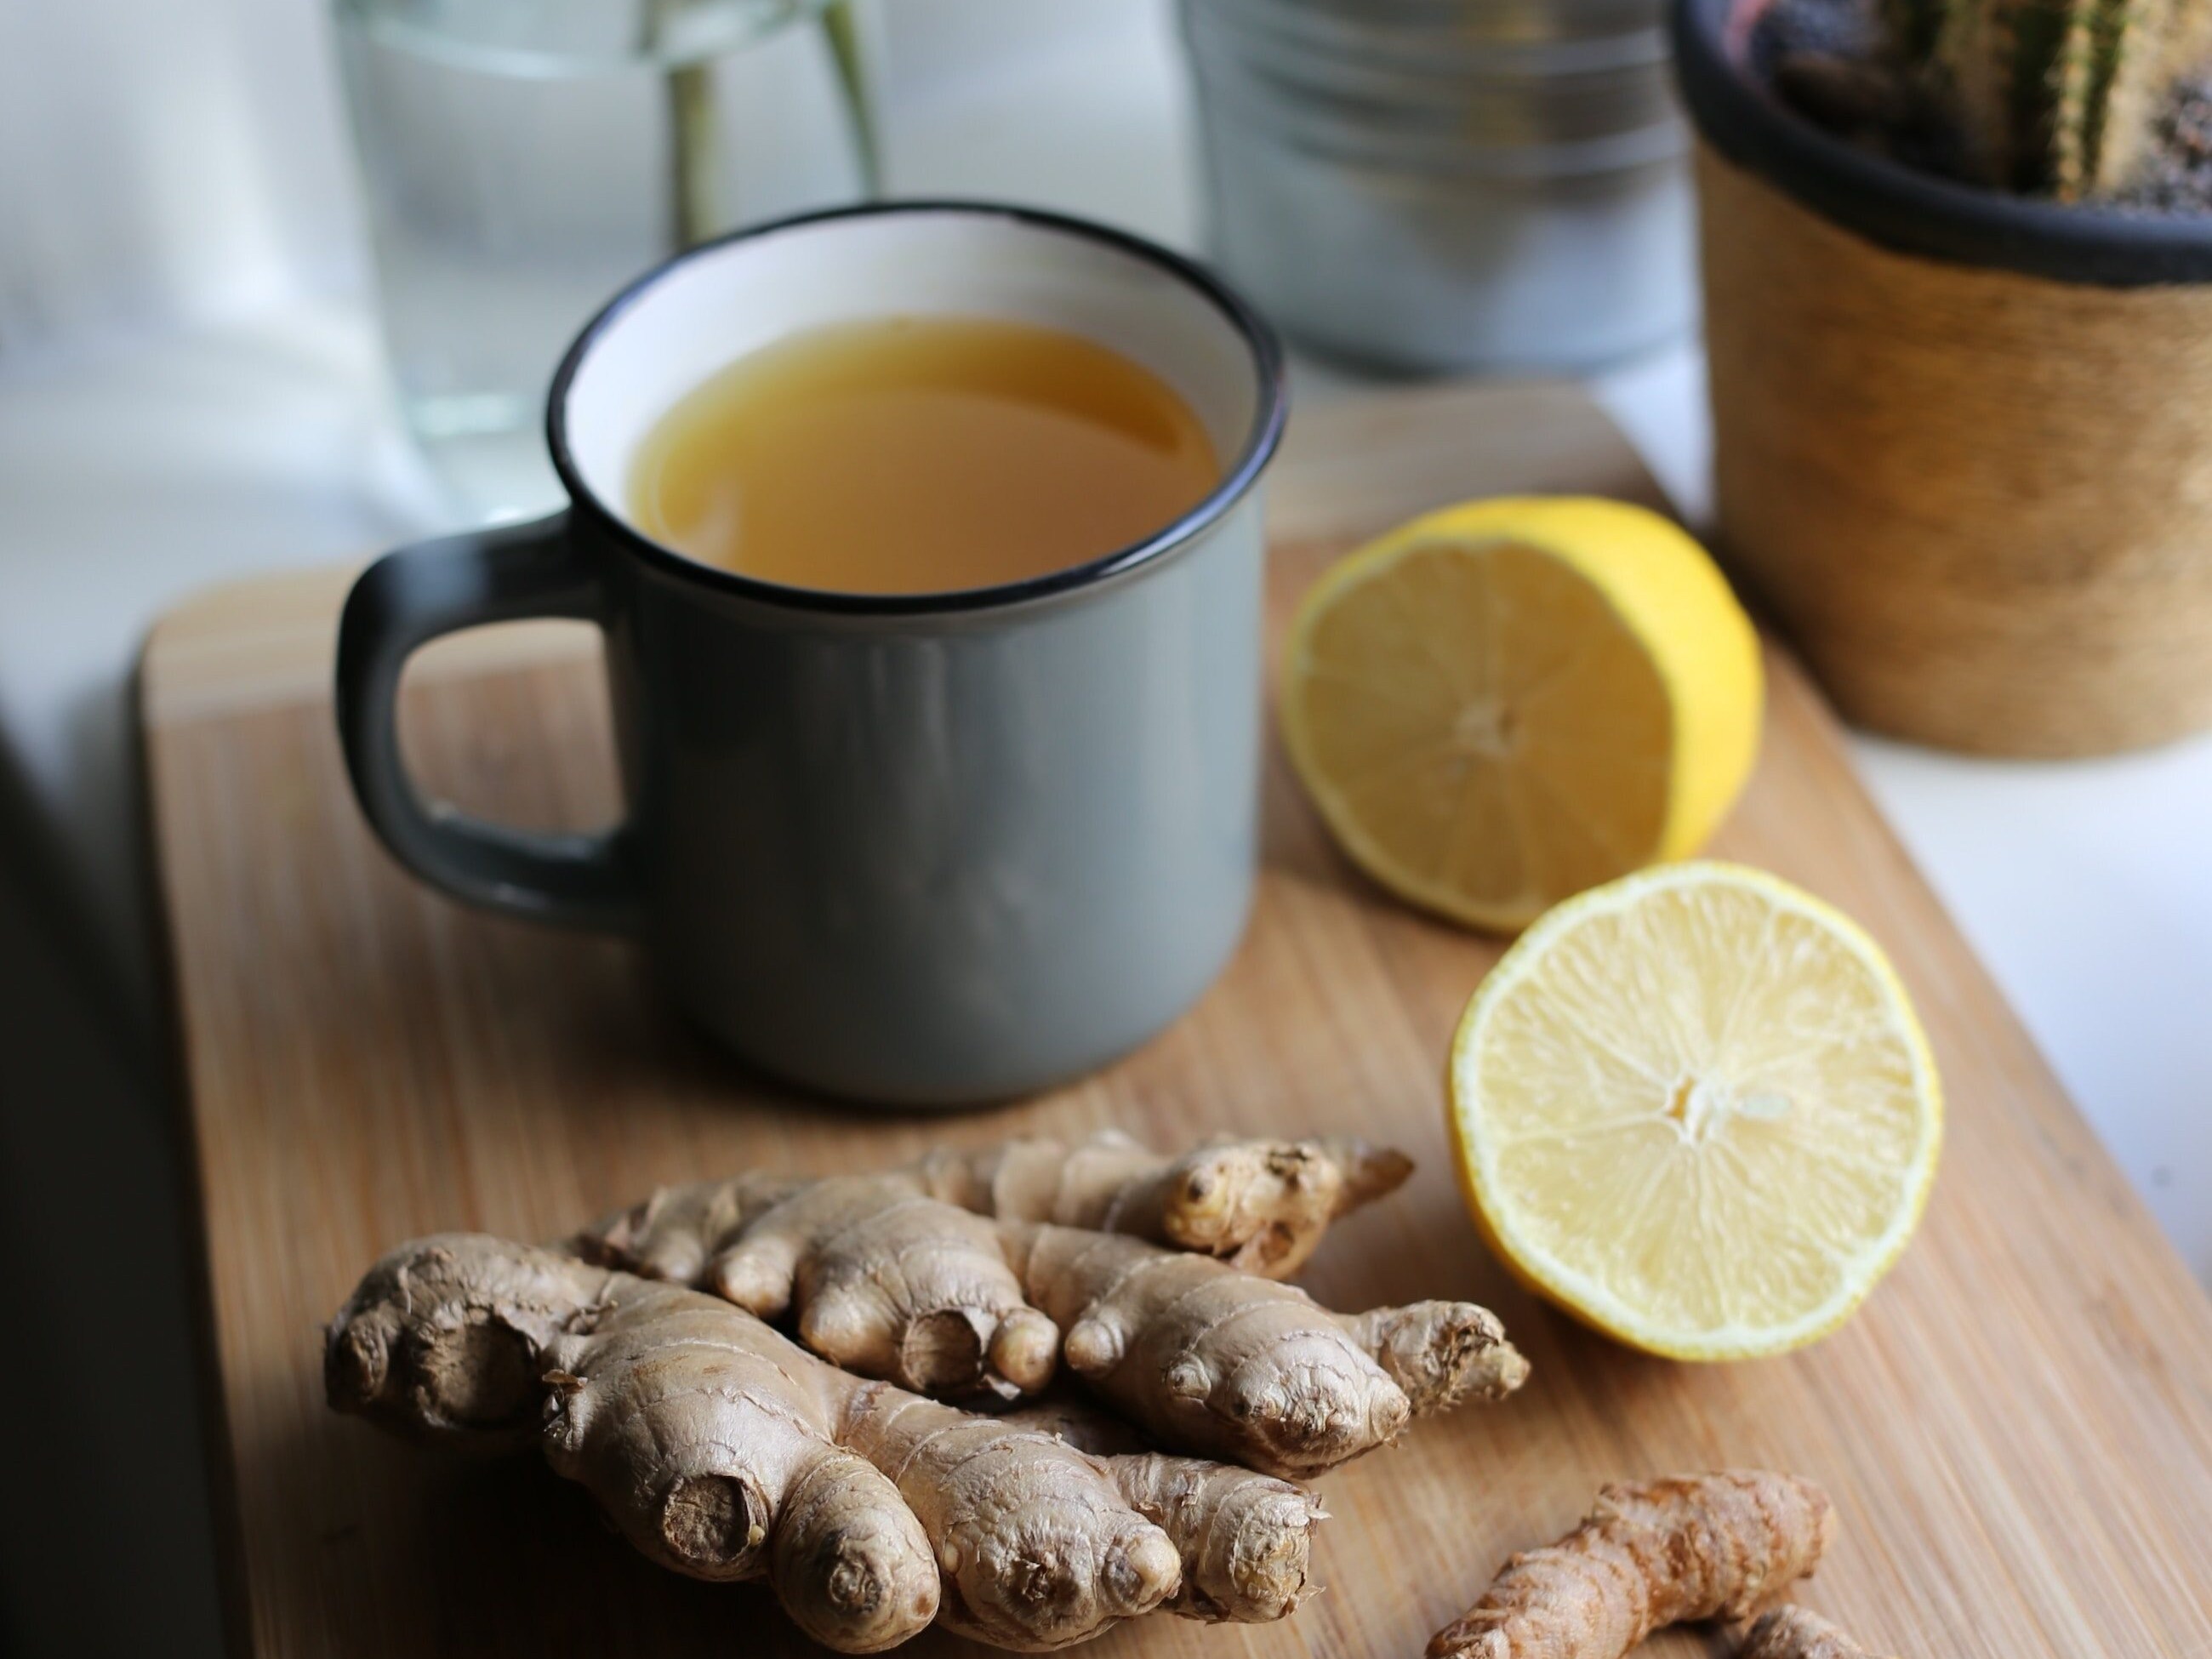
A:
1696, 1108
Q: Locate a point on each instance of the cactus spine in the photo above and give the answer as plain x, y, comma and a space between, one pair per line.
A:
2051, 96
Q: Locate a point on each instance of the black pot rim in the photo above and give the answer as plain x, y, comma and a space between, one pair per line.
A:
1910, 212
1236, 480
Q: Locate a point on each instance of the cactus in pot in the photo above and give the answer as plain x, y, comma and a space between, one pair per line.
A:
1959, 335
2053, 97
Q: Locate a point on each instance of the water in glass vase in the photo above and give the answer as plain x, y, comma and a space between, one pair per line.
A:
523, 159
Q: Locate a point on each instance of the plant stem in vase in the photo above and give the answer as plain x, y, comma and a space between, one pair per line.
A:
841, 24
694, 133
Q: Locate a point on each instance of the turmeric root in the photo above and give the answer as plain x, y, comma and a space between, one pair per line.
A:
1695, 1547
1792, 1632
903, 1275
723, 1451
1219, 1363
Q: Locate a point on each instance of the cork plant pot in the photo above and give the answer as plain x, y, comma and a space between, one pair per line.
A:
1963, 440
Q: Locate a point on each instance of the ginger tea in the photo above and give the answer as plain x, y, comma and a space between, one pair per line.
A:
918, 455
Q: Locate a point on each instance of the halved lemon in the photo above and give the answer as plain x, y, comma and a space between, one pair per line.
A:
1695, 1108
1505, 702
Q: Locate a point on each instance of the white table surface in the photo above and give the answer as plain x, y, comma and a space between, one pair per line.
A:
138, 468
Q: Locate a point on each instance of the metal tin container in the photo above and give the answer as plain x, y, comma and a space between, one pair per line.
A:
1419, 185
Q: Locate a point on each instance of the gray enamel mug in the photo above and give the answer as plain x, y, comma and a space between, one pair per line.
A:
912, 848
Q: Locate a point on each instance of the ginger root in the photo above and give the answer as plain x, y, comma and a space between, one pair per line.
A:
902, 1275
886, 1282
718, 1457
898, 1276
639, 1360
1240, 1566
1214, 1362
1792, 1632
723, 1451
1693, 1546
1261, 1205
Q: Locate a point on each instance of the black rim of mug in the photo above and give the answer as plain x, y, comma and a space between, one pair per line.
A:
1900, 207
1259, 442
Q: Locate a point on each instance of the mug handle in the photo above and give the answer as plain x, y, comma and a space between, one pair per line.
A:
410, 597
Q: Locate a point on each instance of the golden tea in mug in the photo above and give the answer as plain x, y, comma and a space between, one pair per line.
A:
920, 455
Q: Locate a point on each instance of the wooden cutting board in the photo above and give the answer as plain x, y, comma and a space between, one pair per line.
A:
2018, 1429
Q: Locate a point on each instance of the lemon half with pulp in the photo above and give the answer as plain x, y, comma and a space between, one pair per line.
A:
1503, 703
1695, 1107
